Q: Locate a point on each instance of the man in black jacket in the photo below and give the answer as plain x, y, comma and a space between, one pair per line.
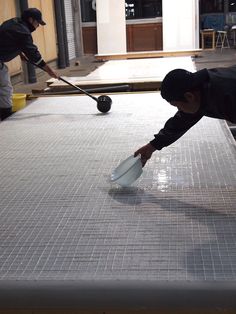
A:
16, 39
210, 93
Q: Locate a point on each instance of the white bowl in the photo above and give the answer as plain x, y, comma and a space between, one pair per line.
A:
128, 171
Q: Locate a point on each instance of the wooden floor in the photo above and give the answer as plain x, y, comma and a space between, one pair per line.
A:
148, 54
140, 74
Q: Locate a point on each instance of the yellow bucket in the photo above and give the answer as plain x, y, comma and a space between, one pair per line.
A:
18, 102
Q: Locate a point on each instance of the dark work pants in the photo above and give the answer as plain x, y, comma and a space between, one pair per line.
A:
5, 113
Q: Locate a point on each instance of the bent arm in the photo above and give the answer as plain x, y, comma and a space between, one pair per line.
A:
174, 128
30, 50
31, 53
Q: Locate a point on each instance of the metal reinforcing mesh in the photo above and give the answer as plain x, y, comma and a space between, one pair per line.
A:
61, 218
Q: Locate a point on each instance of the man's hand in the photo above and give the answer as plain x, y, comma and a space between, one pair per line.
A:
145, 152
50, 71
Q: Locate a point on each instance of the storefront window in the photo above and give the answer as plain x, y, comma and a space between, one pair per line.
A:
231, 14
232, 6
88, 10
134, 9
142, 9
211, 6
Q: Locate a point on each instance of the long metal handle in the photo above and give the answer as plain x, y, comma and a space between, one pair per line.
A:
67, 82
78, 88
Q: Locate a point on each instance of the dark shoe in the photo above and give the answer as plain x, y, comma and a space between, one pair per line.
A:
5, 113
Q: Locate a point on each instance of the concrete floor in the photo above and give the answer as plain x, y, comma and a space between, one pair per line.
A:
216, 58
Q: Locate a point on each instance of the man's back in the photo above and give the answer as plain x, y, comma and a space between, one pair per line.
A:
221, 93
14, 33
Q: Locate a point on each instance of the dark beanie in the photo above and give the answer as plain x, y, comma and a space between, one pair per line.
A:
179, 81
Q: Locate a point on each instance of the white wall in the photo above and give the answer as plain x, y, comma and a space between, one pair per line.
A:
111, 26
180, 24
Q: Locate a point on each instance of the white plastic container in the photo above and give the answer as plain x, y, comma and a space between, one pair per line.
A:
128, 171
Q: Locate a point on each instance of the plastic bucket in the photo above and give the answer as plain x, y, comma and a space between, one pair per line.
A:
18, 102
128, 171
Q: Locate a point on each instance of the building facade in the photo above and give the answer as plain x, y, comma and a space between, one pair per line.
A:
77, 27
149, 24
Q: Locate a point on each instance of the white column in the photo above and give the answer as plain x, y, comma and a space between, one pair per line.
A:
180, 24
111, 26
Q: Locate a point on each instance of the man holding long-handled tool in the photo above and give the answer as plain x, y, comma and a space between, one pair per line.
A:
16, 39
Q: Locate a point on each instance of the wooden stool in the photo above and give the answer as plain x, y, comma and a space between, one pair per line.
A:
208, 33
233, 29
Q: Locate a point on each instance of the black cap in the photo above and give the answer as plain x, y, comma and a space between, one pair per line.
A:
34, 13
179, 81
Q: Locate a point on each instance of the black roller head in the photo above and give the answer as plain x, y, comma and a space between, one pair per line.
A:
104, 103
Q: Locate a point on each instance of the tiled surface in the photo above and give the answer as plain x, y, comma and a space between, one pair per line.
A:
60, 218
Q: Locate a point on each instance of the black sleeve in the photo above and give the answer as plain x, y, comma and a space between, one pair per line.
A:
174, 128
30, 49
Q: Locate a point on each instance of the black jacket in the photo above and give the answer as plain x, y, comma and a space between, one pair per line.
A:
218, 100
15, 37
